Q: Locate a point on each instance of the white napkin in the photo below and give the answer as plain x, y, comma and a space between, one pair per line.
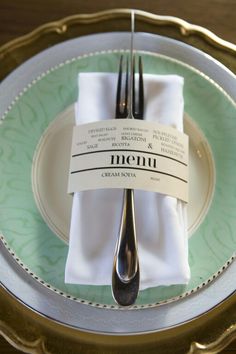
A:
161, 221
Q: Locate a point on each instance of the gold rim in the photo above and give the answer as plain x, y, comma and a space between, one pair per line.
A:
228, 336
61, 26
37, 334
37, 345
34, 346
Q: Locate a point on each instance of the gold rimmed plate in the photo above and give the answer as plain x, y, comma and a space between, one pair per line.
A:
54, 58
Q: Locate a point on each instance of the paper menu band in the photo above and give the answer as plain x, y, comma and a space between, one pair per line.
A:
129, 153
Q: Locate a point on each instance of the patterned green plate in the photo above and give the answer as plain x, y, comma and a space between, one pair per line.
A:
30, 230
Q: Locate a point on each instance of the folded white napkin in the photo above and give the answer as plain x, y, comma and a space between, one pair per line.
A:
161, 221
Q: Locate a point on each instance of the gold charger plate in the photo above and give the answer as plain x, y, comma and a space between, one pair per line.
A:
36, 334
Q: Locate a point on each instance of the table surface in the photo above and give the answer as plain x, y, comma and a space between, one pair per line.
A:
20, 17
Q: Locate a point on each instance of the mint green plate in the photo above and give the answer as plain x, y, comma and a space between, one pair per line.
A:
29, 233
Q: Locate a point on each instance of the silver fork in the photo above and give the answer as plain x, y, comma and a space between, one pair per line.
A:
126, 273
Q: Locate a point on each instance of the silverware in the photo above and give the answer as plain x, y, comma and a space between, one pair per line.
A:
126, 273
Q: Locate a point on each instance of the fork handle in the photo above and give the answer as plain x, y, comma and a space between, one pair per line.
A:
126, 264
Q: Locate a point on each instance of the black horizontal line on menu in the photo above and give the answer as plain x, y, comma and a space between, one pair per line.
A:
130, 150
128, 168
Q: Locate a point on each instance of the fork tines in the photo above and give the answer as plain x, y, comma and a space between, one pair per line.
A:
125, 93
